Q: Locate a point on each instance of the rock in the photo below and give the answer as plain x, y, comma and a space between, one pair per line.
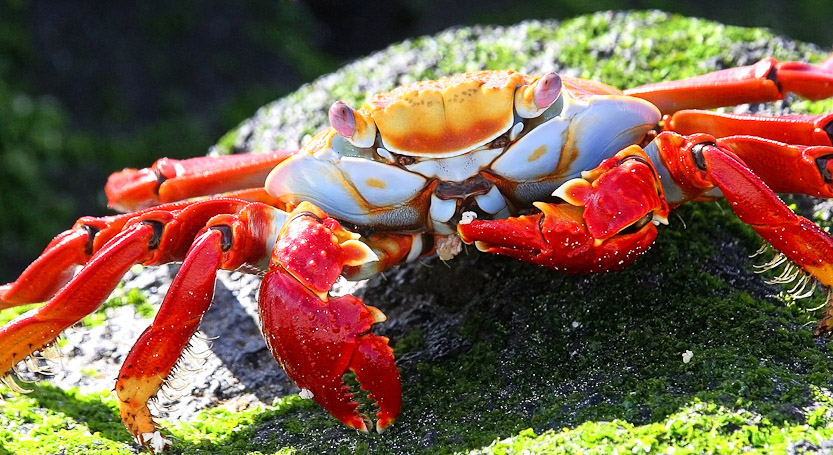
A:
487, 346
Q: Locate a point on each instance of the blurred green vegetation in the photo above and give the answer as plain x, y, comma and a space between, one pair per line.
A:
69, 114
87, 89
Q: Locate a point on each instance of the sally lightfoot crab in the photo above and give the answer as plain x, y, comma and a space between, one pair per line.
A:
570, 174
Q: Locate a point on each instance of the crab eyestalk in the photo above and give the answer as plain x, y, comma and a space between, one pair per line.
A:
352, 124
532, 100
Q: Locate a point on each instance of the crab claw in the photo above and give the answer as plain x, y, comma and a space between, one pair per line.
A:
317, 341
608, 219
318, 338
558, 238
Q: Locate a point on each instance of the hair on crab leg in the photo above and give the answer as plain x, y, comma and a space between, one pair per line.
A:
159, 348
230, 241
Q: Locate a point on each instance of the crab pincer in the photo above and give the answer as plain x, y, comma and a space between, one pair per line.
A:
605, 220
316, 337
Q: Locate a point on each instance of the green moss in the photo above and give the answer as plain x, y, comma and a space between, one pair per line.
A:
50, 420
696, 429
414, 341
121, 297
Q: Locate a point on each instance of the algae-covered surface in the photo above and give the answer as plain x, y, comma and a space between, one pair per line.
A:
686, 351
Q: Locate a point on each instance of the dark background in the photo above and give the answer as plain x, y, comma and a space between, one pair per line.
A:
87, 88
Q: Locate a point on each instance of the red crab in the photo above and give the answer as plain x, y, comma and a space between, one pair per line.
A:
566, 173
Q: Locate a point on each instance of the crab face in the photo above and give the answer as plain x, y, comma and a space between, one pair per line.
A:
416, 158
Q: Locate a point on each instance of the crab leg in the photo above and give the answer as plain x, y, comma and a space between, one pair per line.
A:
74, 247
317, 337
228, 242
786, 168
790, 129
790, 153
56, 265
151, 237
173, 180
767, 80
38, 328
49, 271
699, 163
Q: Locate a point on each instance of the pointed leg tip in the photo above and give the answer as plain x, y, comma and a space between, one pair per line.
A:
154, 441
384, 423
824, 328
359, 422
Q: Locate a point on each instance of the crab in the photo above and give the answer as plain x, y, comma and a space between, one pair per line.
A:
566, 173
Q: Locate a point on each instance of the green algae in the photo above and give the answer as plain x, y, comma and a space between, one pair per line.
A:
50, 420
553, 363
697, 429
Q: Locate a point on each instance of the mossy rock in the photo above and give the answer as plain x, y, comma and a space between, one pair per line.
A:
495, 350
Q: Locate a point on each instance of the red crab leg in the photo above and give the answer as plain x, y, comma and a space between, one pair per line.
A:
790, 153
74, 247
317, 337
38, 328
700, 163
173, 180
229, 242
152, 237
767, 80
786, 168
49, 272
586, 233
789, 129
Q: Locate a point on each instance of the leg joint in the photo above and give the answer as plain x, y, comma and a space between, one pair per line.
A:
821, 164
92, 231
227, 239
158, 230
697, 154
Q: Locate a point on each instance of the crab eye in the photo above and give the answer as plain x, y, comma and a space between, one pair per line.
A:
358, 128
532, 100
